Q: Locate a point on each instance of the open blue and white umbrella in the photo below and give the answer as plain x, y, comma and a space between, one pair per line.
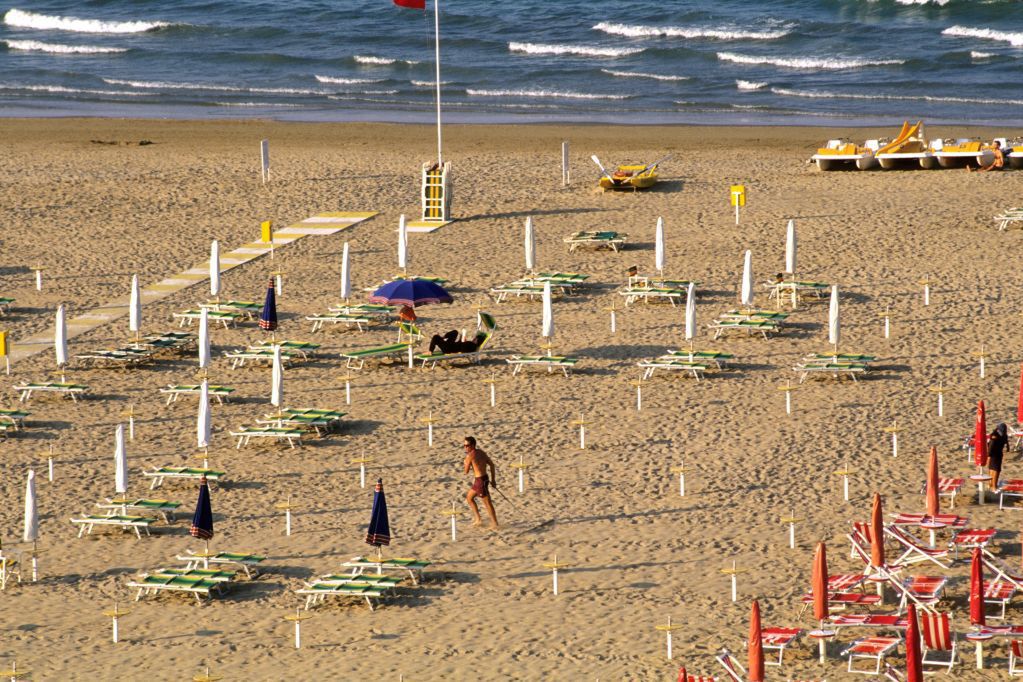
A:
410, 292
379, 533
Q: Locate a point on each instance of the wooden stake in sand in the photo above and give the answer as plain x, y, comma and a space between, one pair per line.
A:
453, 512
733, 572
493, 389
926, 284
521, 466
297, 620
14, 674
130, 414
788, 388
845, 472
565, 179
982, 356
38, 269
792, 520
940, 390
639, 394
286, 508
887, 315
555, 566
582, 424
614, 321
113, 616
894, 429
207, 677
681, 471
429, 421
362, 462
668, 629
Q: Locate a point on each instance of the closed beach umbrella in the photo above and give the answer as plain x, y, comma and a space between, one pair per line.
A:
980, 438
691, 314
402, 242
214, 268
682, 676
914, 667
819, 583
834, 326
932, 483
203, 425
659, 247
135, 306
530, 246
410, 292
31, 530
268, 316
120, 462
346, 276
877, 533
379, 532
277, 380
204, 339
746, 293
790, 248
60, 337
755, 659
202, 520
548, 312
976, 589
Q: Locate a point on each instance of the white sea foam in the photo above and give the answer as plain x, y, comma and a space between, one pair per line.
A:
1014, 39
581, 50
541, 93
70, 91
212, 87
640, 74
806, 62
981, 55
381, 61
23, 19
816, 94
939, 3
36, 46
750, 85
687, 32
428, 84
346, 81
255, 104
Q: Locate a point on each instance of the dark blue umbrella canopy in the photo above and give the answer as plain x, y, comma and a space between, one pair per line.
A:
202, 520
379, 527
268, 318
410, 292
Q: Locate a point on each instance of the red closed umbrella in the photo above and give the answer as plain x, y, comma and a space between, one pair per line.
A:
819, 583
914, 667
976, 589
682, 677
876, 534
980, 437
755, 661
932, 483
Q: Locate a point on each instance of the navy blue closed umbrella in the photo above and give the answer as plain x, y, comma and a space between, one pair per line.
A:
268, 317
202, 520
379, 532
410, 292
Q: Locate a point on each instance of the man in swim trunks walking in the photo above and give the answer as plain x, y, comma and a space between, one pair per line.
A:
478, 462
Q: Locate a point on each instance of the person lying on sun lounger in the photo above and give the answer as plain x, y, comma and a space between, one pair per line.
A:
449, 343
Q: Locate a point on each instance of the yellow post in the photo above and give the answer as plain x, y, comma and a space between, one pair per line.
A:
4, 350
738, 199
266, 231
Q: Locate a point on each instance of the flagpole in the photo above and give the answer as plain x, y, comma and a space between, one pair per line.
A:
436, 43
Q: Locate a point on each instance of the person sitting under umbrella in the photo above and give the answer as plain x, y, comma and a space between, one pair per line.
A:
449, 343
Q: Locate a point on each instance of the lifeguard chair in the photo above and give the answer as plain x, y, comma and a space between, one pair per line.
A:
436, 192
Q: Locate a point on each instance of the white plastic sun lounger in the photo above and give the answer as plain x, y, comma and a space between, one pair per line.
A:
695, 369
199, 587
247, 433
249, 563
190, 473
218, 393
316, 593
164, 508
414, 567
88, 521
548, 362
73, 390
348, 319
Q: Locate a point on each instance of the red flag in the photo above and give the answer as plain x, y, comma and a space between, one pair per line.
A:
411, 4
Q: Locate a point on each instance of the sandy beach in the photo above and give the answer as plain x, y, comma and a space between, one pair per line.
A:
85, 200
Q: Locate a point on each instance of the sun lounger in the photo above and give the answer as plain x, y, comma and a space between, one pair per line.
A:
1015, 654
1000, 630
219, 393
999, 593
200, 587
10, 567
857, 358
871, 648
134, 523
947, 487
924, 590
750, 327
842, 600
915, 551
1007, 217
300, 348
365, 310
488, 328
179, 342
733, 668
349, 319
915, 519
16, 418
225, 318
164, 508
597, 240
247, 433
409, 332
414, 567
190, 473
503, 292
316, 593
868, 620
795, 289
776, 639
719, 358
240, 356
971, 538
548, 362
121, 357
648, 294
62, 388
834, 369
318, 425
694, 368
1008, 489
5, 304
356, 359
659, 281
249, 563
248, 309
754, 314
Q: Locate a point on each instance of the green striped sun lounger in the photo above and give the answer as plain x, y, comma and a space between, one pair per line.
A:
252, 355
548, 362
560, 277
164, 508
773, 315
356, 359
219, 393
64, 388
719, 358
249, 309
5, 304
122, 357
317, 425
200, 587
88, 521
597, 239
530, 291
316, 593
303, 348
648, 294
189, 473
224, 317
835, 369
365, 309
17, 418
415, 567
201, 573
840, 357
693, 368
360, 321
763, 327
247, 433
249, 563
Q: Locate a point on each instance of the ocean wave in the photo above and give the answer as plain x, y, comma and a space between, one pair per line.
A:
750, 85
381, 61
428, 84
541, 93
70, 91
806, 62
23, 19
640, 74
814, 94
346, 81
981, 55
1014, 39
581, 50
687, 32
36, 46
211, 87
255, 104
938, 3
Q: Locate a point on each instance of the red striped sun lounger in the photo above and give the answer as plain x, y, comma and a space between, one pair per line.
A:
949, 520
1011, 488
1001, 630
778, 639
999, 593
869, 620
1015, 654
871, 648
915, 550
938, 637
924, 590
972, 537
700, 678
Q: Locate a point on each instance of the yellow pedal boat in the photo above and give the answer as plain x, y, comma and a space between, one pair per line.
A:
630, 177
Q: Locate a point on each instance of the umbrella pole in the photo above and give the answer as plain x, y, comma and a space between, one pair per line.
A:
206, 555
35, 563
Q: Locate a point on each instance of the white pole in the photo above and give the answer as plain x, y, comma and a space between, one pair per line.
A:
493, 395
298, 634
895, 444
429, 434
564, 164
681, 484
555, 579
639, 397
35, 567
788, 402
436, 42
582, 437
941, 404
669, 638
115, 629
348, 391
887, 331
49, 465
845, 485
521, 477
39, 280
278, 285
287, 522
792, 534
131, 426
735, 596
362, 474
411, 362
927, 294
981, 366
736, 221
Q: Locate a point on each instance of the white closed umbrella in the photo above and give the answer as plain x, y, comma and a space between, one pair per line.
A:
135, 307
203, 424
834, 326
746, 293
402, 243
204, 339
120, 462
659, 247
277, 380
346, 276
790, 248
548, 313
31, 532
215, 269
691, 315
530, 246
60, 338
